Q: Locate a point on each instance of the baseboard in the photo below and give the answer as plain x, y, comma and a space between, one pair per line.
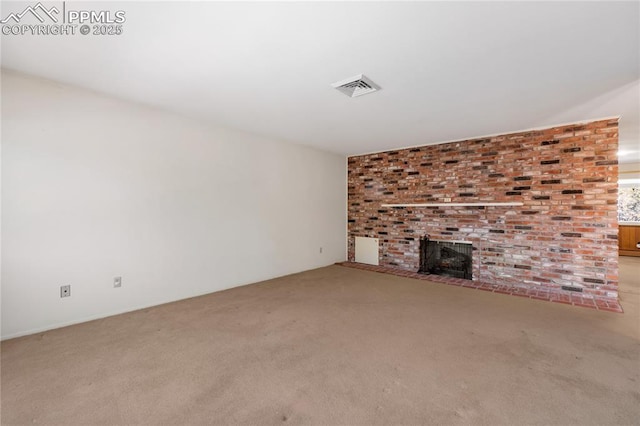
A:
153, 304
635, 253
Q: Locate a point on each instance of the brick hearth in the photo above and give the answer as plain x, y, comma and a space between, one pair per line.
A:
549, 295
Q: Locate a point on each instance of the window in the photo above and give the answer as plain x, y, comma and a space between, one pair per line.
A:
629, 200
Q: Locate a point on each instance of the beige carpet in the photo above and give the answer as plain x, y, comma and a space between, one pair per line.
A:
336, 346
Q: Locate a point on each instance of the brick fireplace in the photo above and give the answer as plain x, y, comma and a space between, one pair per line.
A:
564, 235
447, 258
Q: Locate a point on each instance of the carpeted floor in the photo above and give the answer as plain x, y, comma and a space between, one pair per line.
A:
336, 346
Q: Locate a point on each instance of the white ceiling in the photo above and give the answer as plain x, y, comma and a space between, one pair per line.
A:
448, 71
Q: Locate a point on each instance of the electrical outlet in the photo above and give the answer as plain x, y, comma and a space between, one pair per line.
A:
447, 200
65, 290
117, 282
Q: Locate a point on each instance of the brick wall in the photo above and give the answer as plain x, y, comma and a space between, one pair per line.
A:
566, 233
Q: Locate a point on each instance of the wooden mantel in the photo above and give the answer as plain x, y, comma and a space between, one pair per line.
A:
515, 203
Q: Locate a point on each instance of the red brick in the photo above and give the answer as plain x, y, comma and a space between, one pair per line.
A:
488, 168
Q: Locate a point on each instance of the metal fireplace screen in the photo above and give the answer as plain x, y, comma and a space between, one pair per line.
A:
445, 258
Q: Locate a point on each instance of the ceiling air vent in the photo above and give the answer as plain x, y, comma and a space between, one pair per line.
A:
356, 86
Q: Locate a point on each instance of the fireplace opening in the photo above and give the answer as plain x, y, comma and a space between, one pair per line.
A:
452, 259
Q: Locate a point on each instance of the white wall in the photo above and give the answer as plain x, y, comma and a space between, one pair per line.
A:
94, 187
629, 171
